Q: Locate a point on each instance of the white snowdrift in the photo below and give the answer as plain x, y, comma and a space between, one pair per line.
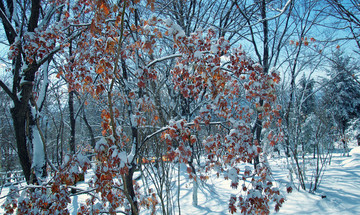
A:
354, 160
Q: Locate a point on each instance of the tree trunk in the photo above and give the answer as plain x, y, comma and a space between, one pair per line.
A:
178, 190
265, 63
23, 120
18, 114
195, 184
130, 190
72, 123
88, 126
257, 131
128, 178
23, 81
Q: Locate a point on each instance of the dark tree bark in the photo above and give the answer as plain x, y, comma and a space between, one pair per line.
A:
19, 120
23, 120
265, 63
130, 189
72, 123
91, 132
23, 123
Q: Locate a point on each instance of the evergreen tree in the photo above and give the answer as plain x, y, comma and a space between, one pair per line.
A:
306, 97
342, 94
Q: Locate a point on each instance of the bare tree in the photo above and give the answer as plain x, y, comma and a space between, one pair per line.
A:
23, 23
347, 15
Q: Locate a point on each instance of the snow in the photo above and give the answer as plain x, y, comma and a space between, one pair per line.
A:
100, 144
354, 160
175, 29
45, 83
340, 186
214, 48
355, 152
198, 54
233, 176
82, 159
39, 155
131, 155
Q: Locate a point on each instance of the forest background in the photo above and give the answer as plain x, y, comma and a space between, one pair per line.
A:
120, 87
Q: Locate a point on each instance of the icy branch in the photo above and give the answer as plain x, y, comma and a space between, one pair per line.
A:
83, 191
163, 59
49, 14
281, 12
148, 137
153, 134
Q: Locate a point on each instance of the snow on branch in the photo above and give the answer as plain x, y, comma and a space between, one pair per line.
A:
148, 137
45, 84
281, 12
51, 54
49, 14
163, 59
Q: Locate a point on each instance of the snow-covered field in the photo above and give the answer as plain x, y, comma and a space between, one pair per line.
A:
340, 185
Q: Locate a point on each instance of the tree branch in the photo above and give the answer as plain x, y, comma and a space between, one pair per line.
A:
34, 17
148, 137
8, 91
163, 59
281, 12
8, 27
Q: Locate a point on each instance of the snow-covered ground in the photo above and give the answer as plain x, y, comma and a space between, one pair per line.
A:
340, 185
